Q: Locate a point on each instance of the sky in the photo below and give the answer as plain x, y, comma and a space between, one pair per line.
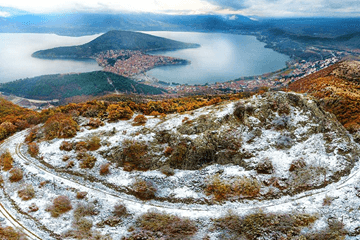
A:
261, 8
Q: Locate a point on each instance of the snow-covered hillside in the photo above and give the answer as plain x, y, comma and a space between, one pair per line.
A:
275, 153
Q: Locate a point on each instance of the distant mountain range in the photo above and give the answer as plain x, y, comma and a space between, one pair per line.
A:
115, 40
61, 86
86, 24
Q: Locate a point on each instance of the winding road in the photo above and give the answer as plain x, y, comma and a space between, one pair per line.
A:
14, 144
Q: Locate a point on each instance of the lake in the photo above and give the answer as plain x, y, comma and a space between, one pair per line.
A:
220, 58
16, 61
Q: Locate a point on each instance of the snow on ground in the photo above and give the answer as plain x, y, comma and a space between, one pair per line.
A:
186, 187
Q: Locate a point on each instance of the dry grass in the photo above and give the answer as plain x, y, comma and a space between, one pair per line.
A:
144, 189
27, 193
61, 204
241, 187
87, 161
134, 156
262, 225
156, 225
9, 233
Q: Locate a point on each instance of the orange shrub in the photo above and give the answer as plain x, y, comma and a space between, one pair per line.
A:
117, 112
104, 169
16, 174
27, 193
66, 146
140, 119
61, 204
144, 189
60, 126
6, 161
134, 155
33, 149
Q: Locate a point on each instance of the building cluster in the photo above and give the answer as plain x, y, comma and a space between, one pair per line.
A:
129, 63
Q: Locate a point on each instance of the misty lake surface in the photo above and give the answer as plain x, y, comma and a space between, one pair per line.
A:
220, 58
16, 61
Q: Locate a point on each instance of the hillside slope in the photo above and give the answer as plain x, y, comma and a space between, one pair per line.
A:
253, 165
60, 86
338, 88
114, 40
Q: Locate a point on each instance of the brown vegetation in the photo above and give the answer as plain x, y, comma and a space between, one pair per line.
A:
337, 94
263, 226
61, 204
156, 225
27, 193
241, 187
33, 149
60, 126
144, 190
6, 161
16, 174
9, 233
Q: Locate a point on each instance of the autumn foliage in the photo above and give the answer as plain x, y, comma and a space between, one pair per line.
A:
337, 95
60, 126
6, 161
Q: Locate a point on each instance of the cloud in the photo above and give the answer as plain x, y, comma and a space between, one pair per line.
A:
4, 14
234, 5
291, 8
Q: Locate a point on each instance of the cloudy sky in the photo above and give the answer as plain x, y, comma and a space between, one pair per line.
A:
263, 8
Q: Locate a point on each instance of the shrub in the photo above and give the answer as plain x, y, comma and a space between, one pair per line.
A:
95, 123
33, 149
8, 233
144, 189
334, 230
239, 111
83, 210
241, 187
94, 143
327, 200
27, 193
169, 226
33, 134
167, 170
87, 161
61, 204
263, 226
6, 161
70, 164
66, 146
134, 155
81, 146
265, 166
140, 119
297, 164
60, 126
81, 195
168, 151
120, 210
16, 174
65, 158
104, 169
116, 112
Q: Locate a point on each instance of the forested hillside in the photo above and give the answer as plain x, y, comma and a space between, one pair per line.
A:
60, 86
114, 40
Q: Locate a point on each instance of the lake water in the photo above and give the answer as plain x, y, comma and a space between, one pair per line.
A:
16, 61
220, 58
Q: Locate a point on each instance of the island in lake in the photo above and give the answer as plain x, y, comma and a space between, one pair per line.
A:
122, 52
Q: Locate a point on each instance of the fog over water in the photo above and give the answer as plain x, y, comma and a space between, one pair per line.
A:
16, 61
220, 58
